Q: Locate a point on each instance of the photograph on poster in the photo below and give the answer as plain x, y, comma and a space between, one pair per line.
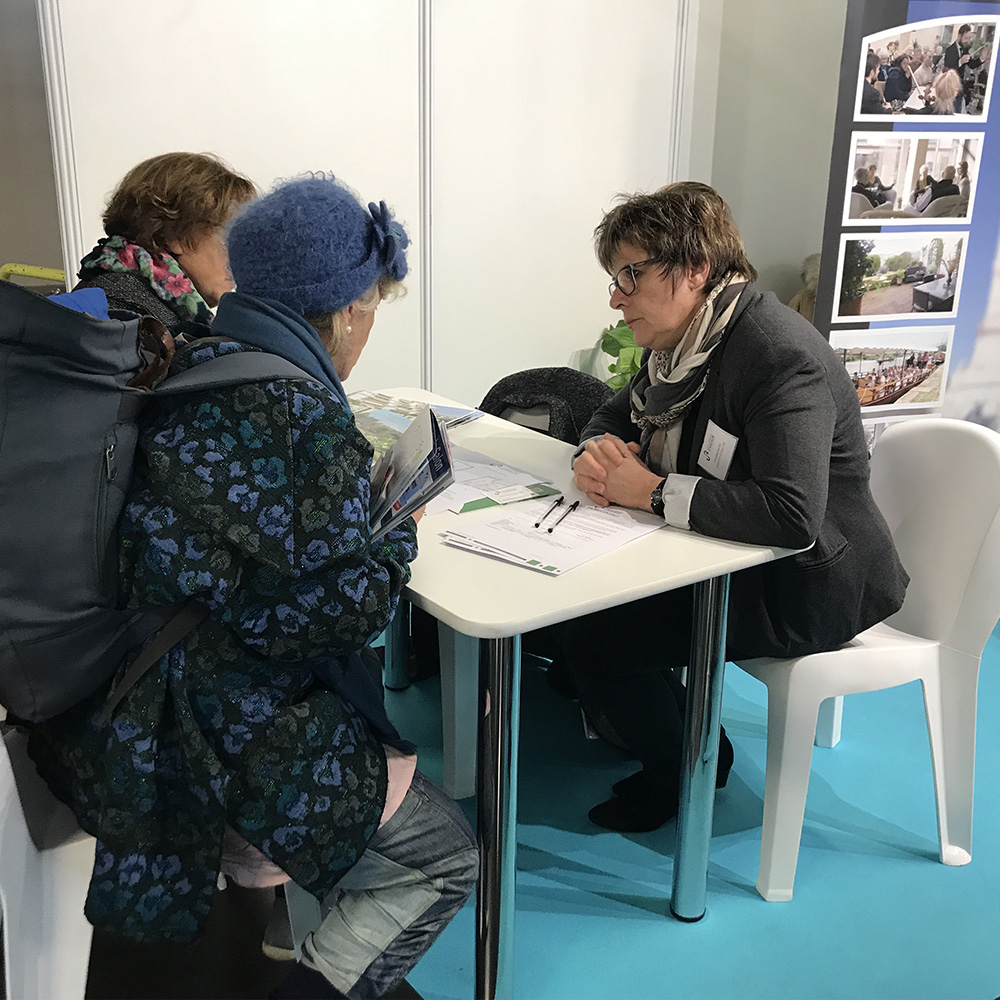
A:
938, 67
892, 369
910, 178
899, 275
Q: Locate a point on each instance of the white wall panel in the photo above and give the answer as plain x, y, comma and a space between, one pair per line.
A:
774, 130
29, 227
542, 112
274, 88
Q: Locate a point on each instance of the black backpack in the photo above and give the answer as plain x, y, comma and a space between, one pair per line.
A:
70, 399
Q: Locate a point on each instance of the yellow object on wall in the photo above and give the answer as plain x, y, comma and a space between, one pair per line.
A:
30, 271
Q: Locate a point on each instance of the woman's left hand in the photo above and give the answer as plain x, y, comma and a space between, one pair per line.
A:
608, 471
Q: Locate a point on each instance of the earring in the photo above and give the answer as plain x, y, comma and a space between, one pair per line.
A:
348, 330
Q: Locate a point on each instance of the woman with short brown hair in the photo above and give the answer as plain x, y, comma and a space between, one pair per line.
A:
741, 424
163, 254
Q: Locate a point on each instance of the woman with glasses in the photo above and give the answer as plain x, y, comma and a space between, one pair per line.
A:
741, 424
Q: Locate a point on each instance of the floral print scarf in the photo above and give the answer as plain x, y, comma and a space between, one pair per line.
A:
161, 270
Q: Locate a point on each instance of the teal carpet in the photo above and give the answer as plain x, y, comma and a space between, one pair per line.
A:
875, 915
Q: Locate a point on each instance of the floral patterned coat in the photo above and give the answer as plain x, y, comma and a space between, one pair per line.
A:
253, 499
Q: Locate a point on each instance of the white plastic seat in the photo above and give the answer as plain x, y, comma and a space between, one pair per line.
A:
46, 938
937, 482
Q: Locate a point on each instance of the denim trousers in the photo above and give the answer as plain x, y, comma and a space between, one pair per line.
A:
416, 873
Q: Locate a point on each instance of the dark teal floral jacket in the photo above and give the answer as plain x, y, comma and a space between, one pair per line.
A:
254, 500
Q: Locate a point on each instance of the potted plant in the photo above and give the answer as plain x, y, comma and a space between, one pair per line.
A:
618, 341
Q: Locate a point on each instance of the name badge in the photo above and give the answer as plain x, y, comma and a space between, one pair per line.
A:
717, 449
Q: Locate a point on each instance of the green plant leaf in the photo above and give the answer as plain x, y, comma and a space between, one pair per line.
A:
630, 358
618, 341
614, 338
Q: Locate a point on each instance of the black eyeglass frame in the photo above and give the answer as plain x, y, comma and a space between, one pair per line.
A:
631, 270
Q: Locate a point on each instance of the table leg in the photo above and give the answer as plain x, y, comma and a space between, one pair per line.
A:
499, 688
459, 717
395, 675
700, 752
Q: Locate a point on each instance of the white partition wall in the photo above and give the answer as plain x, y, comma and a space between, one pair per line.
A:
542, 112
498, 131
274, 88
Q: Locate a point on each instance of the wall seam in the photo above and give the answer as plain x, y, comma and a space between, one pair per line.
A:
426, 156
61, 134
676, 160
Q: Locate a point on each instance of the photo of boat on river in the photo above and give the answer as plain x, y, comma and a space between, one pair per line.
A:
896, 369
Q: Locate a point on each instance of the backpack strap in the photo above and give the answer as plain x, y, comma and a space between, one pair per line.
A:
231, 369
227, 369
180, 623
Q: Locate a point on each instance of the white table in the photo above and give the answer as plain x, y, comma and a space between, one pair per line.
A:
495, 602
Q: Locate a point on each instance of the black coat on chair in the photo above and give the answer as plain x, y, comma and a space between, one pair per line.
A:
569, 397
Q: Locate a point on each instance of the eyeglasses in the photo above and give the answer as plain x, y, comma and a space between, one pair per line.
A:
626, 277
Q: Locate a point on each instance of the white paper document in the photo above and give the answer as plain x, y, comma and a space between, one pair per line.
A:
481, 482
576, 536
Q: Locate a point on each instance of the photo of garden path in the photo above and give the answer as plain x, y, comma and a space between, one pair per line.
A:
888, 299
897, 275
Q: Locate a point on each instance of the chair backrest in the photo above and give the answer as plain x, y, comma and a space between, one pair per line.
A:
937, 482
948, 206
859, 205
567, 398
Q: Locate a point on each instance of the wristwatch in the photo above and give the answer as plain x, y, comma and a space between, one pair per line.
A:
656, 498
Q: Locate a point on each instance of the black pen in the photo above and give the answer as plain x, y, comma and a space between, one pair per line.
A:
569, 510
558, 500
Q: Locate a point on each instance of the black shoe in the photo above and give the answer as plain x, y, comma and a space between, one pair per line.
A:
635, 814
638, 784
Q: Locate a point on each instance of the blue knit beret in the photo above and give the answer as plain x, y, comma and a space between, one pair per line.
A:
310, 245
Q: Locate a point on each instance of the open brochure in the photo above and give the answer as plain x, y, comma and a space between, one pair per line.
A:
414, 470
382, 418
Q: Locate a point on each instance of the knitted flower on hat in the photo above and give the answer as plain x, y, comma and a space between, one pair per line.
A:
391, 239
310, 245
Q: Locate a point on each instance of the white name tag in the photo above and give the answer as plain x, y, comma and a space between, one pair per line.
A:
717, 449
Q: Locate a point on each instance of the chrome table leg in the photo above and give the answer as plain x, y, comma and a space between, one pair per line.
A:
499, 706
700, 752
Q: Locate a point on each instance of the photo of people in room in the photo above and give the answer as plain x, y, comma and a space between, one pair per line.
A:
898, 368
908, 178
939, 67
899, 275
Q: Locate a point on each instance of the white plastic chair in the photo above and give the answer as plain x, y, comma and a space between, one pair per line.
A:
46, 938
937, 482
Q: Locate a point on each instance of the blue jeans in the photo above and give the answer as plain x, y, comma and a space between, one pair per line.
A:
416, 873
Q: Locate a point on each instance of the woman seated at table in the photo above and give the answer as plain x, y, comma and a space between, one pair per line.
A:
259, 744
741, 424
899, 82
163, 255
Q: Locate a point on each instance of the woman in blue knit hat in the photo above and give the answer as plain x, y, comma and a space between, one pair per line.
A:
259, 746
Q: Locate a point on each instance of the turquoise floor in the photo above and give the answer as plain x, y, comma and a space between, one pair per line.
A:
875, 915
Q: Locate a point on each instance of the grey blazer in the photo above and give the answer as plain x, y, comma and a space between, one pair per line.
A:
798, 477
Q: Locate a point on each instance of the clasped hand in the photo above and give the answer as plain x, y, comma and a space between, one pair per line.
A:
608, 471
